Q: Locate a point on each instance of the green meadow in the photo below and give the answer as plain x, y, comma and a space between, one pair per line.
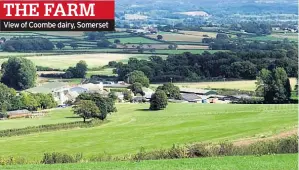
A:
134, 126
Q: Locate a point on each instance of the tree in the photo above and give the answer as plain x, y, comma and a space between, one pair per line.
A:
27, 44
243, 69
81, 69
136, 88
117, 41
86, 109
159, 37
112, 96
106, 105
158, 100
222, 36
138, 77
274, 85
6, 96
112, 64
19, 73
74, 45
60, 45
127, 95
29, 101
103, 43
173, 47
288, 89
172, 91
3, 39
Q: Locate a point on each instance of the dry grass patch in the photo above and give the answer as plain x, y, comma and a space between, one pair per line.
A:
193, 47
64, 61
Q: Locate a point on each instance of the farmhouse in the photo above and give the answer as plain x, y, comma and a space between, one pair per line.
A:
63, 92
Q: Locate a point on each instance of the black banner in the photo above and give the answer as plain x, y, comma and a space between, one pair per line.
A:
57, 25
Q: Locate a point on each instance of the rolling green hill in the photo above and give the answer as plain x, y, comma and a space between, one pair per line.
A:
133, 127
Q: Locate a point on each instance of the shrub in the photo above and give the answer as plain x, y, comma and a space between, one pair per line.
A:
56, 157
47, 128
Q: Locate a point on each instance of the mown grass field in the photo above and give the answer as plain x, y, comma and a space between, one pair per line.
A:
106, 72
133, 127
269, 162
53, 117
241, 85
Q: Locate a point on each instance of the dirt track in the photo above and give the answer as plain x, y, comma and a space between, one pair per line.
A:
249, 141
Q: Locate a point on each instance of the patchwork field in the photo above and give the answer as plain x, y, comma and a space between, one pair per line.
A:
242, 85
178, 124
269, 162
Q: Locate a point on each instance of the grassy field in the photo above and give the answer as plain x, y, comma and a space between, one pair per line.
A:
269, 162
64, 61
241, 85
135, 40
277, 37
182, 51
106, 72
14, 54
189, 36
53, 117
178, 124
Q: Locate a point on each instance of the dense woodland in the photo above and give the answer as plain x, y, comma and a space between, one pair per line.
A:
206, 66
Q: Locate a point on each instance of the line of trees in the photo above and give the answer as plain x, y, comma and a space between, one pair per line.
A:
207, 66
224, 42
27, 44
10, 100
79, 71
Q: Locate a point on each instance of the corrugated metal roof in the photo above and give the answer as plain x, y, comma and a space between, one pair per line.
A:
197, 91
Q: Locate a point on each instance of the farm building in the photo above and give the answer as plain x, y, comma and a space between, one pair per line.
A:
198, 91
18, 113
192, 98
147, 92
48, 87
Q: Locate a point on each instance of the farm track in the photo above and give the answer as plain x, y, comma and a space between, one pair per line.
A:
248, 141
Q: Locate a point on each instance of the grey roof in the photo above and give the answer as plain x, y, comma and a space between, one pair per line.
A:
47, 88
18, 112
196, 91
242, 96
190, 97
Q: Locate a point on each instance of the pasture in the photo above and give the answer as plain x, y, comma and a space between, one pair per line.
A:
135, 40
53, 117
268, 162
276, 36
134, 126
183, 51
187, 36
241, 85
